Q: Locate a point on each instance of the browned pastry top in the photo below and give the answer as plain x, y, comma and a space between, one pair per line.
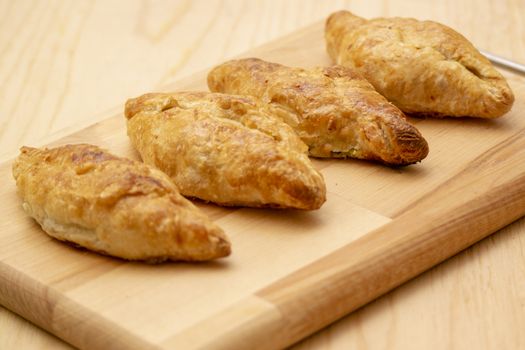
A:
423, 67
334, 110
225, 149
85, 195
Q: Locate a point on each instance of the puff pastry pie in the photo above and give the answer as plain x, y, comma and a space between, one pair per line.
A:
116, 206
422, 67
334, 110
224, 149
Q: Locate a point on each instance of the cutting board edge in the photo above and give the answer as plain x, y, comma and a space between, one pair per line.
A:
49, 313
424, 243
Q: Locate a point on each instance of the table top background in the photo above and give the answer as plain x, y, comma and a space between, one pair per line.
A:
65, 64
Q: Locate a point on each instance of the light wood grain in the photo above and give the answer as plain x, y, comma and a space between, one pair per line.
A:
467, 285
458, 213
460, 304
64, 62
450, 218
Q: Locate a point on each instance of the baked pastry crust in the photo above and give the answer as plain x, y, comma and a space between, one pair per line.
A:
423, 67
224, 149
116, 206
334, 110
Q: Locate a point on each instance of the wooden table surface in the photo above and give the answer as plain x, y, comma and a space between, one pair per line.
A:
64, 64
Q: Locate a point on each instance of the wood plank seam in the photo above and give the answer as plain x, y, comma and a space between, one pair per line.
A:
44, 308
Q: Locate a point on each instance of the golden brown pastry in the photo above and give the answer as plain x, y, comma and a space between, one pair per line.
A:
224, 149
116, 206
422, 67
335, 111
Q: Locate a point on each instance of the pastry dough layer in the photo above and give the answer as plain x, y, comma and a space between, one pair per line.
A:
423, 67
116, 206
224, 149
334, 110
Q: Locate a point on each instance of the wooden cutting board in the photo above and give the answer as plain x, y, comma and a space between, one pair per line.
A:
291, 272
